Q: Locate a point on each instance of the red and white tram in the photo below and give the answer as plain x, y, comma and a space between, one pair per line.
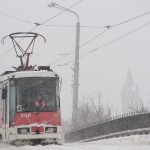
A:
22, 121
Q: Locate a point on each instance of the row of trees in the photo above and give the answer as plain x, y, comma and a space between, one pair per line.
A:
140, 107
130, 95
90, 110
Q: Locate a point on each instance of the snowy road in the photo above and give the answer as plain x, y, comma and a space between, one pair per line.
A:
136, 142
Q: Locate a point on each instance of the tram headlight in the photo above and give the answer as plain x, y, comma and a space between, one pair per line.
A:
51, 129
23, 130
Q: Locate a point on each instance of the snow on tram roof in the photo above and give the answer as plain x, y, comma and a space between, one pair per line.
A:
22, 74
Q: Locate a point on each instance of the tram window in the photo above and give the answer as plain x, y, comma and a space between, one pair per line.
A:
12, 101
28, 89
57, 94
12, 82
1, 102
4, 93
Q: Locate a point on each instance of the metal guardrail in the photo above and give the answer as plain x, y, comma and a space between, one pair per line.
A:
118, 134
111, 126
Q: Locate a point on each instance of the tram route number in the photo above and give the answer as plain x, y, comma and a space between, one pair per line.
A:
25, 115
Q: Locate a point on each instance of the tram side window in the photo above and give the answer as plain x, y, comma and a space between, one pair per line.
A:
12, 101
57, 94
1, 101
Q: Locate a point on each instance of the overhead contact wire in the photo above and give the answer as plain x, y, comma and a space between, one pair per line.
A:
108, 27
37, 24
102, 46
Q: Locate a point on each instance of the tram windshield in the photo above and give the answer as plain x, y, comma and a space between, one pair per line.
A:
36, 94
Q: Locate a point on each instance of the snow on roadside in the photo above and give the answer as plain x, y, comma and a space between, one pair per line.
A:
133, 139
134, 142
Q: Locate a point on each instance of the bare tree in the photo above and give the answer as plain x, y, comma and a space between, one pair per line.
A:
139, 108
90, 110
66, 125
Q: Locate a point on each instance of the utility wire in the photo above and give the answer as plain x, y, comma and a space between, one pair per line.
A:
61, 12
37, 24
101, 33
16, 18
67, 26
126, 21
104, 45
108, 27
142, 15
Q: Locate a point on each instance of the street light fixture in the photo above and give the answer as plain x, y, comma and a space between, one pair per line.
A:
76, 63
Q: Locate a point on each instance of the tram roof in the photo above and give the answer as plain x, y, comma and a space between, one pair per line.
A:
22, 74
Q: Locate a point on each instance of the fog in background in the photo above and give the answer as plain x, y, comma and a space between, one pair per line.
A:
105, 60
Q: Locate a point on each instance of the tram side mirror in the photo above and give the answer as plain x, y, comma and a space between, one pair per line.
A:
4, 93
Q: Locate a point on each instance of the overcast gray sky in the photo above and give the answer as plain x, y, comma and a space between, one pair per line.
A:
104, 69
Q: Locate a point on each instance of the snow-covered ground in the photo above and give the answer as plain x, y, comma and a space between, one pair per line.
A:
135, 142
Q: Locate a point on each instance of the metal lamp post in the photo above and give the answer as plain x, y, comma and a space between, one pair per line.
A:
76, 63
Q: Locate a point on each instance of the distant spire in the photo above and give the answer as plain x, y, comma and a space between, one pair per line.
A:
129, 80
129, 94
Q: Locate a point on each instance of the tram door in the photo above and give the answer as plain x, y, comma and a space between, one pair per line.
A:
5, 112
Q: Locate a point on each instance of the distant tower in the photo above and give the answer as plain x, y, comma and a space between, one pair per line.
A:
129, 95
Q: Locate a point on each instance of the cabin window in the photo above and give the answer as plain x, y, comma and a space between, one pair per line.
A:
28, 90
